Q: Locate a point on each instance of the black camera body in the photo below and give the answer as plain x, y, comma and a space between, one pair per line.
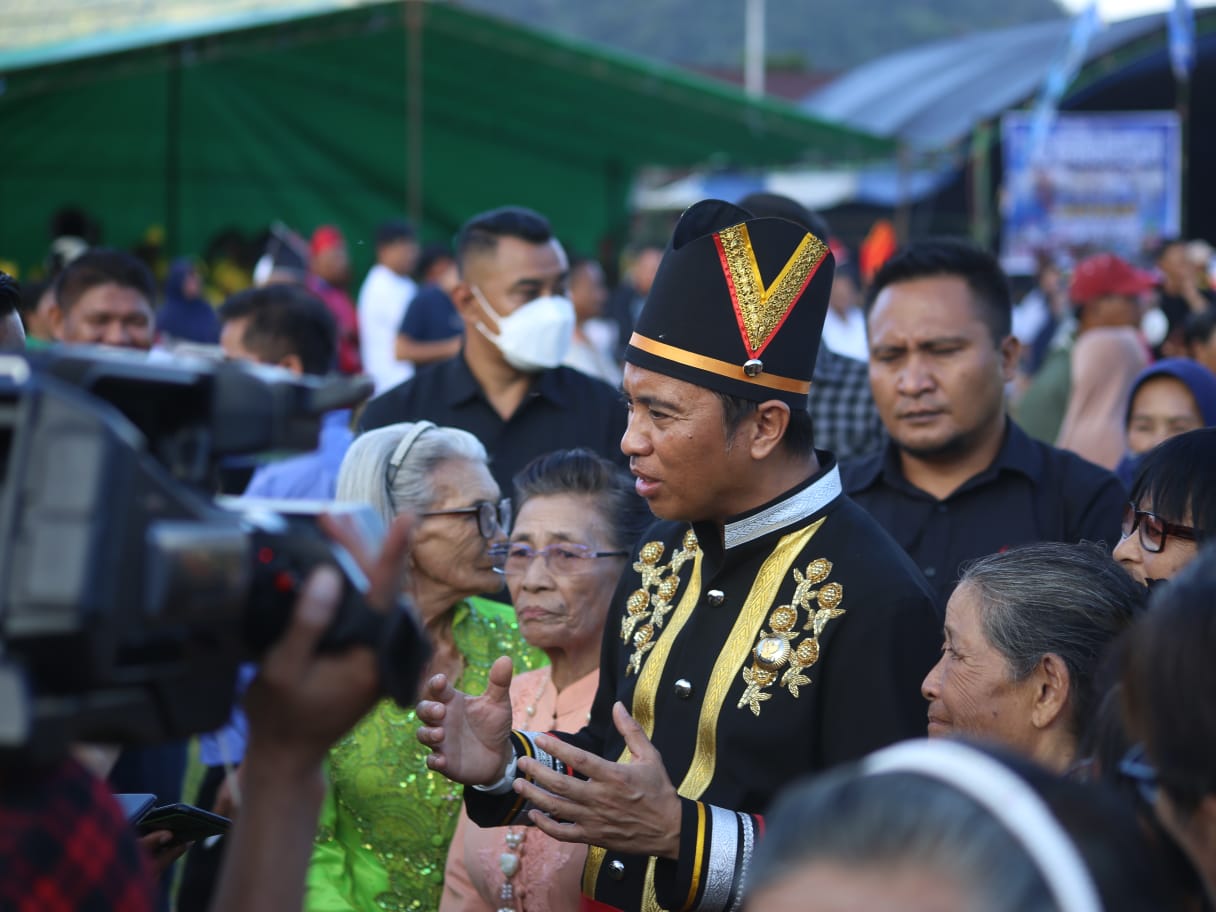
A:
128, 596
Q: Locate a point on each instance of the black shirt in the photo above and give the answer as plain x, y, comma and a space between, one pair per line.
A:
1032, 492
563, 409
1176, 308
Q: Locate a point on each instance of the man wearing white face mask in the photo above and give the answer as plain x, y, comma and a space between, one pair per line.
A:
507, 386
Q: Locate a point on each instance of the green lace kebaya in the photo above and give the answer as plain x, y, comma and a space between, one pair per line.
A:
387, 819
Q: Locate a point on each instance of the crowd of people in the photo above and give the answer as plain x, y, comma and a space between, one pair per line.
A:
875, 591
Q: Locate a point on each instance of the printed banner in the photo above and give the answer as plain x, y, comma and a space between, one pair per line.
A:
1101, 182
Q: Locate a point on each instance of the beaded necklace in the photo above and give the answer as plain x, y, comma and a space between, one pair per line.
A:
510, 861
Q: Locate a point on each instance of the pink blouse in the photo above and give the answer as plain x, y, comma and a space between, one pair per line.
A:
550, 872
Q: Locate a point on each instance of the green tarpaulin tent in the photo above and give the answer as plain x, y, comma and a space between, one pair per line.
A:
308, 117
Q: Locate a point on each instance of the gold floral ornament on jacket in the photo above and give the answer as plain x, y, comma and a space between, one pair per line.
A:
647, 608
775, 650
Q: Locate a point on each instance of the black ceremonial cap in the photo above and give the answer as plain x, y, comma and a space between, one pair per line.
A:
737, 305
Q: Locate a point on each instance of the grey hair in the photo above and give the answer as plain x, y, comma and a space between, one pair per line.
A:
367, 477
1070, 600
897, 820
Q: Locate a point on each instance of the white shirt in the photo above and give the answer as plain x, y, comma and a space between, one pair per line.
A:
847, 335
592, 353
383, 300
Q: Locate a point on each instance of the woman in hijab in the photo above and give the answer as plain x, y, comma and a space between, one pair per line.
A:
186, 316
1170, 398
1104, 362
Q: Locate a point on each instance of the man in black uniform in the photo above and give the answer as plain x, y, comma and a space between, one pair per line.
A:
768, 627
507, 386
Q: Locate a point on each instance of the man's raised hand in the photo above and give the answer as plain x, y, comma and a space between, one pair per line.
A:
469, 737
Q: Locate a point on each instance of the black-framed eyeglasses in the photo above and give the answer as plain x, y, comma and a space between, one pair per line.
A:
491, 518
562, 558
1153, 529
1136, 767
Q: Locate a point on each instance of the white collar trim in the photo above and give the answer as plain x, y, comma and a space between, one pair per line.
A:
807, 502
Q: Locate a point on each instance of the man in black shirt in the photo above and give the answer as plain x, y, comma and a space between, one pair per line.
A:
506, 386
959, 479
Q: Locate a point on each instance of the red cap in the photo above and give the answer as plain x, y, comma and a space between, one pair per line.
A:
325, 238
1106, 274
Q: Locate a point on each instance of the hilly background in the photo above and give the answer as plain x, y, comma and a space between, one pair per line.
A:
814, 34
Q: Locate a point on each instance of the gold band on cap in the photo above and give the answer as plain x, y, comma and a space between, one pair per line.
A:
714, 366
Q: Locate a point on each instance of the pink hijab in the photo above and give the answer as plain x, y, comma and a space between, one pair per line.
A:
1105, 361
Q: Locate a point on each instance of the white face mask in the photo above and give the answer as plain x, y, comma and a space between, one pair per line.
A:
534, 338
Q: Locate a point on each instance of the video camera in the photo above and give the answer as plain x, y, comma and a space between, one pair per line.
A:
128, 595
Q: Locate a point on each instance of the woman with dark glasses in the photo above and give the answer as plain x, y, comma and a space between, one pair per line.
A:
1172, 508
385, 826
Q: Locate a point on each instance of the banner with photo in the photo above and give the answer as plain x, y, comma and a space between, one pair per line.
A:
1098, 182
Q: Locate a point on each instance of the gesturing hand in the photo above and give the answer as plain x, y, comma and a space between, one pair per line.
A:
469, 737
626, 807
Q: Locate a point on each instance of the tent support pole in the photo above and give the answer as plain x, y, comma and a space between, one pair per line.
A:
173, 119
413, 113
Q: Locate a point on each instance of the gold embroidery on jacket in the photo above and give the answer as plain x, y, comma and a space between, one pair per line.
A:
639, 604
647, 608
775, 653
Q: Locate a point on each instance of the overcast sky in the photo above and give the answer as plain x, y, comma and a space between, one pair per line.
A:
1122, 9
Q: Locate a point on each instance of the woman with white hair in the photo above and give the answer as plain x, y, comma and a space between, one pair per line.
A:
387, 819
941, 826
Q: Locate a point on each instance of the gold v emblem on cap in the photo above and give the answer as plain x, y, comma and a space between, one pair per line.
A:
759, 309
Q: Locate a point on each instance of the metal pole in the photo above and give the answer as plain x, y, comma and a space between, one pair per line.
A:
413, 111
753, 47
1183, 106
173, 135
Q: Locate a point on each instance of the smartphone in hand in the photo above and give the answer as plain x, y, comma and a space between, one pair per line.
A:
186, 822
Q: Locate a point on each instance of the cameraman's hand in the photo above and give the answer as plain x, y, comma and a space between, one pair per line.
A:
301, 702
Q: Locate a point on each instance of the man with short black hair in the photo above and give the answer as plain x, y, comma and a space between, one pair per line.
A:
283, 325
286, 326
386, 294
105, 297
959, 479
507, 386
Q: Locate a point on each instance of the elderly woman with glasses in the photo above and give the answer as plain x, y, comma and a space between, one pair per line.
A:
578, 519
1172, 508
387, 819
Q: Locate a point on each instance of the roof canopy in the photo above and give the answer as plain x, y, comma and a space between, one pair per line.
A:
932, 96
303, 117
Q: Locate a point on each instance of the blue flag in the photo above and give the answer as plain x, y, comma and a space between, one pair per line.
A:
1063, 71
1182, 39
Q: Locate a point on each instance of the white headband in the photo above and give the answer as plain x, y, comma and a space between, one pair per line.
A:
402, 449
1011, 800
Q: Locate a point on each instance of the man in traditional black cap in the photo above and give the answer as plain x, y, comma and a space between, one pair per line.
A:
768, 627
